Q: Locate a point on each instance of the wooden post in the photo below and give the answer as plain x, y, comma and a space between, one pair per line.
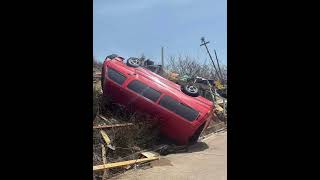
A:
162, 60
204, 43
211, 92
104, 160
218, 64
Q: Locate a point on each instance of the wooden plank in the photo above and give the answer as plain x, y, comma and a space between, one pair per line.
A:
103, 118
103, 152
123, 163
105, 136
109, 120
112, 125
104, 160
149, 154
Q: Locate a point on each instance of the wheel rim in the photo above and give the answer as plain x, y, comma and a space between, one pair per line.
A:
192, 89
134, 61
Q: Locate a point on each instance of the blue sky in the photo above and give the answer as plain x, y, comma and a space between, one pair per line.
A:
132, 27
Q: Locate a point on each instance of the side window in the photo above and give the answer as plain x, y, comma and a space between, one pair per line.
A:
137, 86
178, 108
144, 90
116, 76
151, 94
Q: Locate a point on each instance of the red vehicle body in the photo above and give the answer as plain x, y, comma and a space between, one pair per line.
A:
181, 117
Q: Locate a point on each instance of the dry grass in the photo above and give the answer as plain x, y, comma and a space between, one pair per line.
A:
126, 140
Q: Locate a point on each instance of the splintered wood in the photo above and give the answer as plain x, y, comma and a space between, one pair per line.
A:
105, 137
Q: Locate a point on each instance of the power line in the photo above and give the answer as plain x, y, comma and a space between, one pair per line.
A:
204, 43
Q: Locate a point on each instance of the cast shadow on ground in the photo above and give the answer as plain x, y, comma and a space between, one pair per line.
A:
199, 146
174, 149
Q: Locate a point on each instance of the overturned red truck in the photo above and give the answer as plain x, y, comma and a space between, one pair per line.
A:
181, 112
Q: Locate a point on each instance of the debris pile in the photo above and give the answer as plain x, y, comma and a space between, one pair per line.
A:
119, 137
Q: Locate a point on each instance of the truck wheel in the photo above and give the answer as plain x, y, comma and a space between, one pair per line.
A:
133, 62
190, 90
112, 56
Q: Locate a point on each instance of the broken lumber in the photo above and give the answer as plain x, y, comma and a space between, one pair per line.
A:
104, 160
219, 101
102, 117
110, 121
103, 152
219, 108
105, 136
112, 125
123, 163
149, 154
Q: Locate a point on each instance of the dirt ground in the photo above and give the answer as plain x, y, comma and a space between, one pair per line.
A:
204, 160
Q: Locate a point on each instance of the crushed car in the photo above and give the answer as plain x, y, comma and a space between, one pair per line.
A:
180, 111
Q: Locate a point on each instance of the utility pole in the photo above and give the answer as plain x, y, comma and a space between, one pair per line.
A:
205, 44
218, 63
162, 61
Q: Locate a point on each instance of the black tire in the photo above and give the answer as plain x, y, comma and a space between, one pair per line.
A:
112, 56
133, 62
190, 90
